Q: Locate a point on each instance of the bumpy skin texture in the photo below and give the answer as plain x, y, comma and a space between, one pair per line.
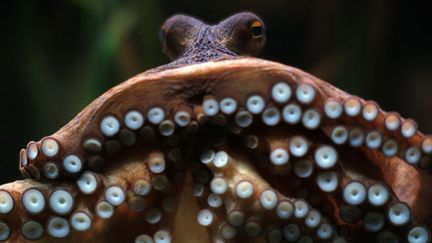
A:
287, 157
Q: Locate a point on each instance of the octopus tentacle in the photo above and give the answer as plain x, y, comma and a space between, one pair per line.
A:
129, 187
250, 149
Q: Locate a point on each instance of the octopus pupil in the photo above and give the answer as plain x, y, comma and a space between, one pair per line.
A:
257, 31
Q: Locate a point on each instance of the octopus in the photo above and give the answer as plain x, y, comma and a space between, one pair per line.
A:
221, 146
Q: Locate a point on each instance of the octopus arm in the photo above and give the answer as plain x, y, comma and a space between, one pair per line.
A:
241, 149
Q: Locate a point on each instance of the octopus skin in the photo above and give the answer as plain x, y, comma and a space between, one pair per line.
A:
241, 149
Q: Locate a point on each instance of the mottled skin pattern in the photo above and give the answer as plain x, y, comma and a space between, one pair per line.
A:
219, 147
187, 40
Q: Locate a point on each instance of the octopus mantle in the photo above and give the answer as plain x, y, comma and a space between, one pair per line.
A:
228, 151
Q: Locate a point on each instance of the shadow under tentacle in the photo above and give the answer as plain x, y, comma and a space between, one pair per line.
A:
242, 149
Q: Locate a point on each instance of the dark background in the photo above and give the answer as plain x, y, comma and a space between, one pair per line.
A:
57, 56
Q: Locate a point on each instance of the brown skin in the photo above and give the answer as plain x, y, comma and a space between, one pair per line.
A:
187, 40
177, 87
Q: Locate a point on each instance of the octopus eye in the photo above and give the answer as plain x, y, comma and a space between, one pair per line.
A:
256, 29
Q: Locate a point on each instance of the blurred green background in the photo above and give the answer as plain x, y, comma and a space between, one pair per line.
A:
57, 56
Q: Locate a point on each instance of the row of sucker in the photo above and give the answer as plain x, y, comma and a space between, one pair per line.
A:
147, 182
238, 200
302, 110
315, 164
